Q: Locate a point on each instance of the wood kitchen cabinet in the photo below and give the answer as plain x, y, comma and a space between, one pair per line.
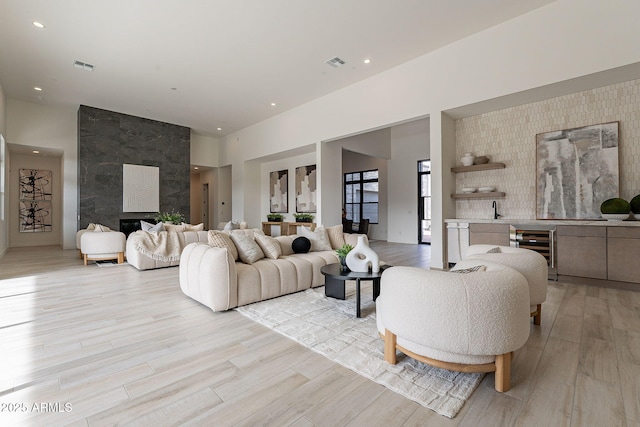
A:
623, 247
489, 234
582, 251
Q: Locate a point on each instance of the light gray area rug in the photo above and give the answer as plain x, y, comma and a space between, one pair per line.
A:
330, 327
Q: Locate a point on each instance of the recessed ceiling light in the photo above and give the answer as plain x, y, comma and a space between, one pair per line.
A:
195, 168
39, 89
36, 152
219, 128
367, 61
273, 104
38, 24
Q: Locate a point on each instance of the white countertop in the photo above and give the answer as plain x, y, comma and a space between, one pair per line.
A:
547, 222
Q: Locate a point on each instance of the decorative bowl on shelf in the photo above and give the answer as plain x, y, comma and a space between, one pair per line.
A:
469, 189
636, 216
481, 160
615, 217
467, 159
486, 189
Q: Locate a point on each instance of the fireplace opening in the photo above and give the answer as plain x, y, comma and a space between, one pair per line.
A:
129, 225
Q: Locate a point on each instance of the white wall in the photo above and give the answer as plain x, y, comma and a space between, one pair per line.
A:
4, 153
558, 42
42, 126
54, 164
204, 150
409, 144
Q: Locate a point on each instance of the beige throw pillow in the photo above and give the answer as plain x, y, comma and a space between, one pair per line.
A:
336, 236
191, 227
101, 228
219, 239
173, 227
319, 238
269, 245
248, 249
285, 244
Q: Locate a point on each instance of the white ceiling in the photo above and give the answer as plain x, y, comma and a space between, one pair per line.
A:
206, 64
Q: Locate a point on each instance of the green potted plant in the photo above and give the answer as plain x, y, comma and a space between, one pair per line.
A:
172, 217
615, 209
275, 217
635, 206
342, 255
303, 217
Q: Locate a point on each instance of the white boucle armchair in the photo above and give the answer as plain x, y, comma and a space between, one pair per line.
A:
530, 264
97, 246
469, 322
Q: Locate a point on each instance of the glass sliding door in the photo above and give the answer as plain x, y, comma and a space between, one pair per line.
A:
424, 201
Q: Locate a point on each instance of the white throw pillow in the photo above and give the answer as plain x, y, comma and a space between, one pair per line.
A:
319, 238
152, 228
232, 225
219, 239
269, 245
248, 249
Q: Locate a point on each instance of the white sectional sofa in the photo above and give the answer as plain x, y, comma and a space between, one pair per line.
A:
212, 276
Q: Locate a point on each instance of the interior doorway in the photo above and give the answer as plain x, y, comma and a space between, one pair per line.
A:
424, 201
205, 205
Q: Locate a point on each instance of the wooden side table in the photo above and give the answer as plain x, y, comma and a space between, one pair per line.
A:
266, 227
292, 227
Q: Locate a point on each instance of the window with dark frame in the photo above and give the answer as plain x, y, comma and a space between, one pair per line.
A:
361, 195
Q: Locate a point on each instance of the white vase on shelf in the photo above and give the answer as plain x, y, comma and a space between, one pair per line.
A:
467, 159
361, 257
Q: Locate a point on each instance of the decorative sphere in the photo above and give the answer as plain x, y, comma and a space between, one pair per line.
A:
301, 245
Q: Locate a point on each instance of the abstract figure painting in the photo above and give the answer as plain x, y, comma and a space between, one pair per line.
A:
576, 170
35, 200
279, 191
306, 190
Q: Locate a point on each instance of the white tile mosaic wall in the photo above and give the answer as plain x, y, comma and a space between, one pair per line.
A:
508, 136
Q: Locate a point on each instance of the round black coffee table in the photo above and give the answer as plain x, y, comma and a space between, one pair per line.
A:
335, 278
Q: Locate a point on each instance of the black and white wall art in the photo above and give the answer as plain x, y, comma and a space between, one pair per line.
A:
576, 170
35, 200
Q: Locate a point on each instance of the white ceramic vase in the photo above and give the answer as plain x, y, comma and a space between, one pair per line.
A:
360, 258
467, 159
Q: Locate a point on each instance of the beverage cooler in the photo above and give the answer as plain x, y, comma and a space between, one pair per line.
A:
537, 238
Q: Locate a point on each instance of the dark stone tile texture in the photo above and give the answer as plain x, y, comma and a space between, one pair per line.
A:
106, 141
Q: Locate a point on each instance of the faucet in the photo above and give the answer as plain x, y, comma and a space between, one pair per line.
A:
496, 215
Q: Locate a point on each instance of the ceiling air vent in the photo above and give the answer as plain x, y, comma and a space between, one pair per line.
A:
336, 62
83, 65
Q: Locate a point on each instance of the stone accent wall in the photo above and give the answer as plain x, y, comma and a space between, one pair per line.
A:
508, 136
107, 140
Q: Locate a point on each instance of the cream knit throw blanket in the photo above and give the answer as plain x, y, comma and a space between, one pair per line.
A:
160, 246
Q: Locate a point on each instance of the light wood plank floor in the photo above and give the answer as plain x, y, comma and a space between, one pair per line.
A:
120, 346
